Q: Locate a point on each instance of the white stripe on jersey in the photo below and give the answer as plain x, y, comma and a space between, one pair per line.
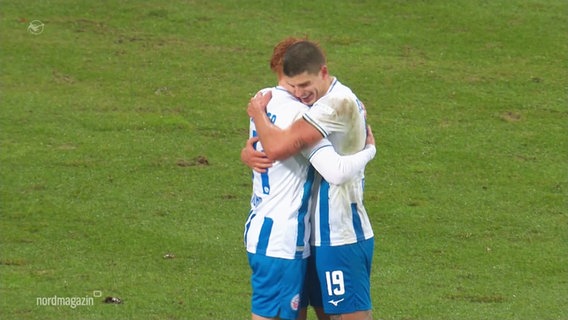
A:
278, 224
340, 217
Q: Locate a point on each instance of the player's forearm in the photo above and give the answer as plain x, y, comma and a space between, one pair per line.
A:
337, 169
277, 143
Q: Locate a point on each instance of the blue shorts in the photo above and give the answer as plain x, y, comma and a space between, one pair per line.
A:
276, 286
311, 295
338, 278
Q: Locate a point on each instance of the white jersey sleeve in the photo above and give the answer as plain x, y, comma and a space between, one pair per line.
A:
337, 169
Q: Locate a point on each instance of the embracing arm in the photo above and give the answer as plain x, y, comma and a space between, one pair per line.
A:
280, 143
254, 159
337, 169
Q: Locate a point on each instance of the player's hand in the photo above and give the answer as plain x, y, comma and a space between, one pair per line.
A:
364, 109
257, 104
370, 138
254, 159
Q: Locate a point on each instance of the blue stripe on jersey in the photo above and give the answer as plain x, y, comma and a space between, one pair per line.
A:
249, 221
264, 236
263, 176
333, 83
254, 134
357, 223
265, 182
303, 211
324, 212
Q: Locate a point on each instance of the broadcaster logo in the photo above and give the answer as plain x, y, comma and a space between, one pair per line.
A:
35, 27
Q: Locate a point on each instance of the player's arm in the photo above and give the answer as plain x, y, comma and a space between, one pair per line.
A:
337, 169
280, 143
254, 159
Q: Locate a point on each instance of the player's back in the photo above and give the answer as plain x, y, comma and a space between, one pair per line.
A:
279, 223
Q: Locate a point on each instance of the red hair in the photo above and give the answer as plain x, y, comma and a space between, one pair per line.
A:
277, 60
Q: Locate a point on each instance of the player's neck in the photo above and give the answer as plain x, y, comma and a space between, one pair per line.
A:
282, 83
328, 83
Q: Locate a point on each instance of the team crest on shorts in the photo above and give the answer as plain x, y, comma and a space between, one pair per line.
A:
295, 302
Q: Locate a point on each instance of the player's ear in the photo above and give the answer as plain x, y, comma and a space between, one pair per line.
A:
324, 72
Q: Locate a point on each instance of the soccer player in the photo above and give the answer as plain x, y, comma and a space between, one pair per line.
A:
277, 230
342, 238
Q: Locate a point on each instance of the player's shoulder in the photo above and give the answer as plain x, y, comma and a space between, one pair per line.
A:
336, 96
339, 99
282, 93
282, 97
284, 108
339, 89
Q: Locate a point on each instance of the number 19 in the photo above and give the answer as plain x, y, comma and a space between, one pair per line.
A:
335, 284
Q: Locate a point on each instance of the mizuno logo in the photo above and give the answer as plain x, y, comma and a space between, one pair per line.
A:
335, 303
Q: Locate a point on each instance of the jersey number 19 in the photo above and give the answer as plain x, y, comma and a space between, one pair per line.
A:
335, 284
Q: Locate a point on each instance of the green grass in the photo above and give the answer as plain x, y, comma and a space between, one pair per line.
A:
105, 114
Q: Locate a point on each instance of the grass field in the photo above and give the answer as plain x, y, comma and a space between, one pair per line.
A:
121, 125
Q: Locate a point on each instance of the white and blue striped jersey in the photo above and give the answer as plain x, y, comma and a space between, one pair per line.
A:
339, 216
278, 223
